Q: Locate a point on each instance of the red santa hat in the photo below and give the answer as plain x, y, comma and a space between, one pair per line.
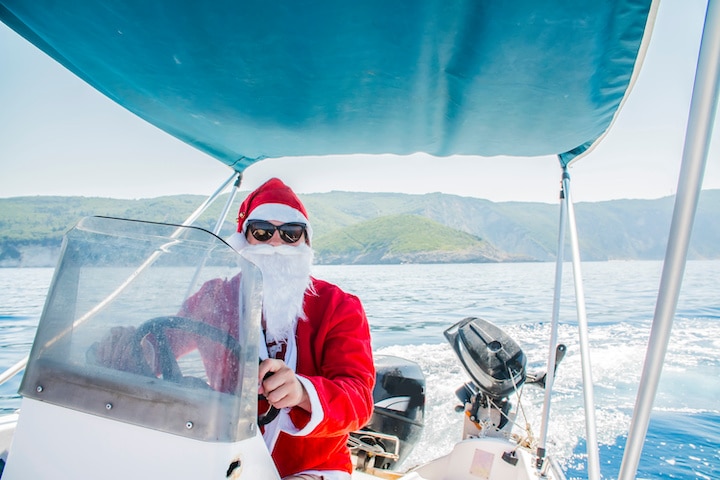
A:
273, 200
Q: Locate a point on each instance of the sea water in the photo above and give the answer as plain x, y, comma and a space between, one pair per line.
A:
409, 307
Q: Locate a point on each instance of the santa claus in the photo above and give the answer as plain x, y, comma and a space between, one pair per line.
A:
317, 366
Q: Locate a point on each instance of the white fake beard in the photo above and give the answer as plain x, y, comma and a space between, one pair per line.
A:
286, 276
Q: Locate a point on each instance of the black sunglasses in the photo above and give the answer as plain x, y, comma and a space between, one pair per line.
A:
263, 231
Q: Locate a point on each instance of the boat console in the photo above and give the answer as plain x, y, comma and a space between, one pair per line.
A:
139, 413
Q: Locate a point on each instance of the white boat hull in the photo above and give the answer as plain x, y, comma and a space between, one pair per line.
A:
473, 459
125, 451
57, 443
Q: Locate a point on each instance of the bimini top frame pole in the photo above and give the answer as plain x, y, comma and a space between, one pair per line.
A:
697, 144
228, 203
588, 394
552, 347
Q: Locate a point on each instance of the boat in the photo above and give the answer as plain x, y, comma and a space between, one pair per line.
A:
248, 81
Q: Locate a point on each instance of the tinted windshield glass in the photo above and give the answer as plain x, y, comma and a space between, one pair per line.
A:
117, 338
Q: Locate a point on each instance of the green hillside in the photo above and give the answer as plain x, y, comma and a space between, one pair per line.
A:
402, 239
28, 219
390, 227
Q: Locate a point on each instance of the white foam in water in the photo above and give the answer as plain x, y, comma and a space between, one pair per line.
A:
617, 354
443, 375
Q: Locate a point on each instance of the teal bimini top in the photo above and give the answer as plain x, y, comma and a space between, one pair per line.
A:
253, 79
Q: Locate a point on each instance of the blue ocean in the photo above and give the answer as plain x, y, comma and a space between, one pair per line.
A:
409, 307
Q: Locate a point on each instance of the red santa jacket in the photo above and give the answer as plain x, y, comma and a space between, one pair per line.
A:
334, 354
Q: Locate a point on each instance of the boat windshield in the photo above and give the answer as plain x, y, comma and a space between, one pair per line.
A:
151, 324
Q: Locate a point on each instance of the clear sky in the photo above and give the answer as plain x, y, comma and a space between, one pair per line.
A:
60, 137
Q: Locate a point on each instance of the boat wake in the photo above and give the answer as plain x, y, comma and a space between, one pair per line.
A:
685, 408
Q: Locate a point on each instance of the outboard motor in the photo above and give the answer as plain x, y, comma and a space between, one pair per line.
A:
397, 421
496, 364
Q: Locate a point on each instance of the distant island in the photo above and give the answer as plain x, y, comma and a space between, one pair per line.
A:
390, 228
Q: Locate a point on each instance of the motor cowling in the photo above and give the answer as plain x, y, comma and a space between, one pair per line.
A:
398, 415
492, 358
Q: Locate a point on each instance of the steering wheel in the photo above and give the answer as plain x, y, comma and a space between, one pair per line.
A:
168, 363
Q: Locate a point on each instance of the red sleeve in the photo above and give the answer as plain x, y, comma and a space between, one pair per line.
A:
339, 363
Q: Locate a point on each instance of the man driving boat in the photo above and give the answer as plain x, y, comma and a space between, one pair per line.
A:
315, 350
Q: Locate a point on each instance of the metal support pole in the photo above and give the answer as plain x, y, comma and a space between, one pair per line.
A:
228, 204
216, 230
552, 347
199, 211
697, 144
590, 425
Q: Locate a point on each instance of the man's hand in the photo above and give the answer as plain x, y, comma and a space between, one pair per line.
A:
282, 389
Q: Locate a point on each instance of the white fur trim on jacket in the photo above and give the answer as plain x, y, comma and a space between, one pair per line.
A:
316, 411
